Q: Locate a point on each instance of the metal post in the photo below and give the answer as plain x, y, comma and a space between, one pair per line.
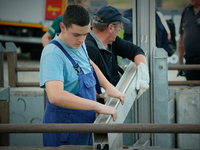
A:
11, 50
144, 36
1, 65
160, 93
4, 114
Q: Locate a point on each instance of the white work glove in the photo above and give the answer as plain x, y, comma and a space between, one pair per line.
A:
102, 93
142, 83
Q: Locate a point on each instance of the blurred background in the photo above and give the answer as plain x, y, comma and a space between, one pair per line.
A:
159, 3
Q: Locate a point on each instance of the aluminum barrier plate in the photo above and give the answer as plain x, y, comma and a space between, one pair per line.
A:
126, 85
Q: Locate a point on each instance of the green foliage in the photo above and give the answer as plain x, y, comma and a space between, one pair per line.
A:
121, 34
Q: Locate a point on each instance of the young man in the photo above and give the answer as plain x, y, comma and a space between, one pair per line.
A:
55, 27
103, 46
68, 76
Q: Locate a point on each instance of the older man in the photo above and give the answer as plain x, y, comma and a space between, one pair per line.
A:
103, 46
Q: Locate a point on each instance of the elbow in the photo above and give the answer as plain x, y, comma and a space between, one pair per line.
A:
52, 99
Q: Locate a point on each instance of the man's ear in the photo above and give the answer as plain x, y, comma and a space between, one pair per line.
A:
62, 27
110, 27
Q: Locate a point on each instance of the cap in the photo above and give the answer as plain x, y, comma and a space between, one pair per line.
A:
109, 14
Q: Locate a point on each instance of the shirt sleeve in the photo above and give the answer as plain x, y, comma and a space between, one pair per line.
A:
93, 52
51, 68
126, 49
185, 10
55, 27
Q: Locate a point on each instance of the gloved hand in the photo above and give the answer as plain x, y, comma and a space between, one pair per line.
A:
102, 93
180, 72
142, 83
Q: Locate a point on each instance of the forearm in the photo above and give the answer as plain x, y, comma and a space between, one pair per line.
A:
180, 49
46, 39
140, 58
59, 97
102, 80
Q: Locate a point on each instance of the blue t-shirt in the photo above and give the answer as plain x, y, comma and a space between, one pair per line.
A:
54, 65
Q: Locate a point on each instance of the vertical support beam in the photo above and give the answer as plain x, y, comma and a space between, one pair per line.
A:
11, 50
4, 114
160, 80
1, 65
144, 36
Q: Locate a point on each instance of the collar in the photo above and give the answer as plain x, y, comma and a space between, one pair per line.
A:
98, 41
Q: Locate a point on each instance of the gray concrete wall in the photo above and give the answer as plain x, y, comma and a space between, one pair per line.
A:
26, 107
186, 106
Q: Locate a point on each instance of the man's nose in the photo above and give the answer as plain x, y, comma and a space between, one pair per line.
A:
81, 38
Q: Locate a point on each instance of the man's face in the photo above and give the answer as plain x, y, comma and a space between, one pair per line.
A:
75, 35
114, 31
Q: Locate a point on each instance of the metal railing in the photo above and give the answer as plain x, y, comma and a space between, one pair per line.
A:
184, 67
100, 128
1, 65
13, 69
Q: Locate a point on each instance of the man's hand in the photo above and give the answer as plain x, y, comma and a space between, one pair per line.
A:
112, 92
107, 110
142, 83
102, 93
180, 72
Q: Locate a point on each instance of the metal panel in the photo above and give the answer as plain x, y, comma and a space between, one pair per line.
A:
145, 38
1, 65
4, 113
127, 86
160, 80
188, 112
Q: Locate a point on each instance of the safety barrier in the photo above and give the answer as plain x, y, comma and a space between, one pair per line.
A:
13, 69
4, 113
184, 67
1, 65
100, 128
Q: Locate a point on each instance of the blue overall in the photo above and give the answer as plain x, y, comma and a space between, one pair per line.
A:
56, 114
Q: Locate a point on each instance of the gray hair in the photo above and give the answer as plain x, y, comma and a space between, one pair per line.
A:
102, 26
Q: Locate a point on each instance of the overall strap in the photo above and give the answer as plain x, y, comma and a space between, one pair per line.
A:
86, 55
98, 87
75, 65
